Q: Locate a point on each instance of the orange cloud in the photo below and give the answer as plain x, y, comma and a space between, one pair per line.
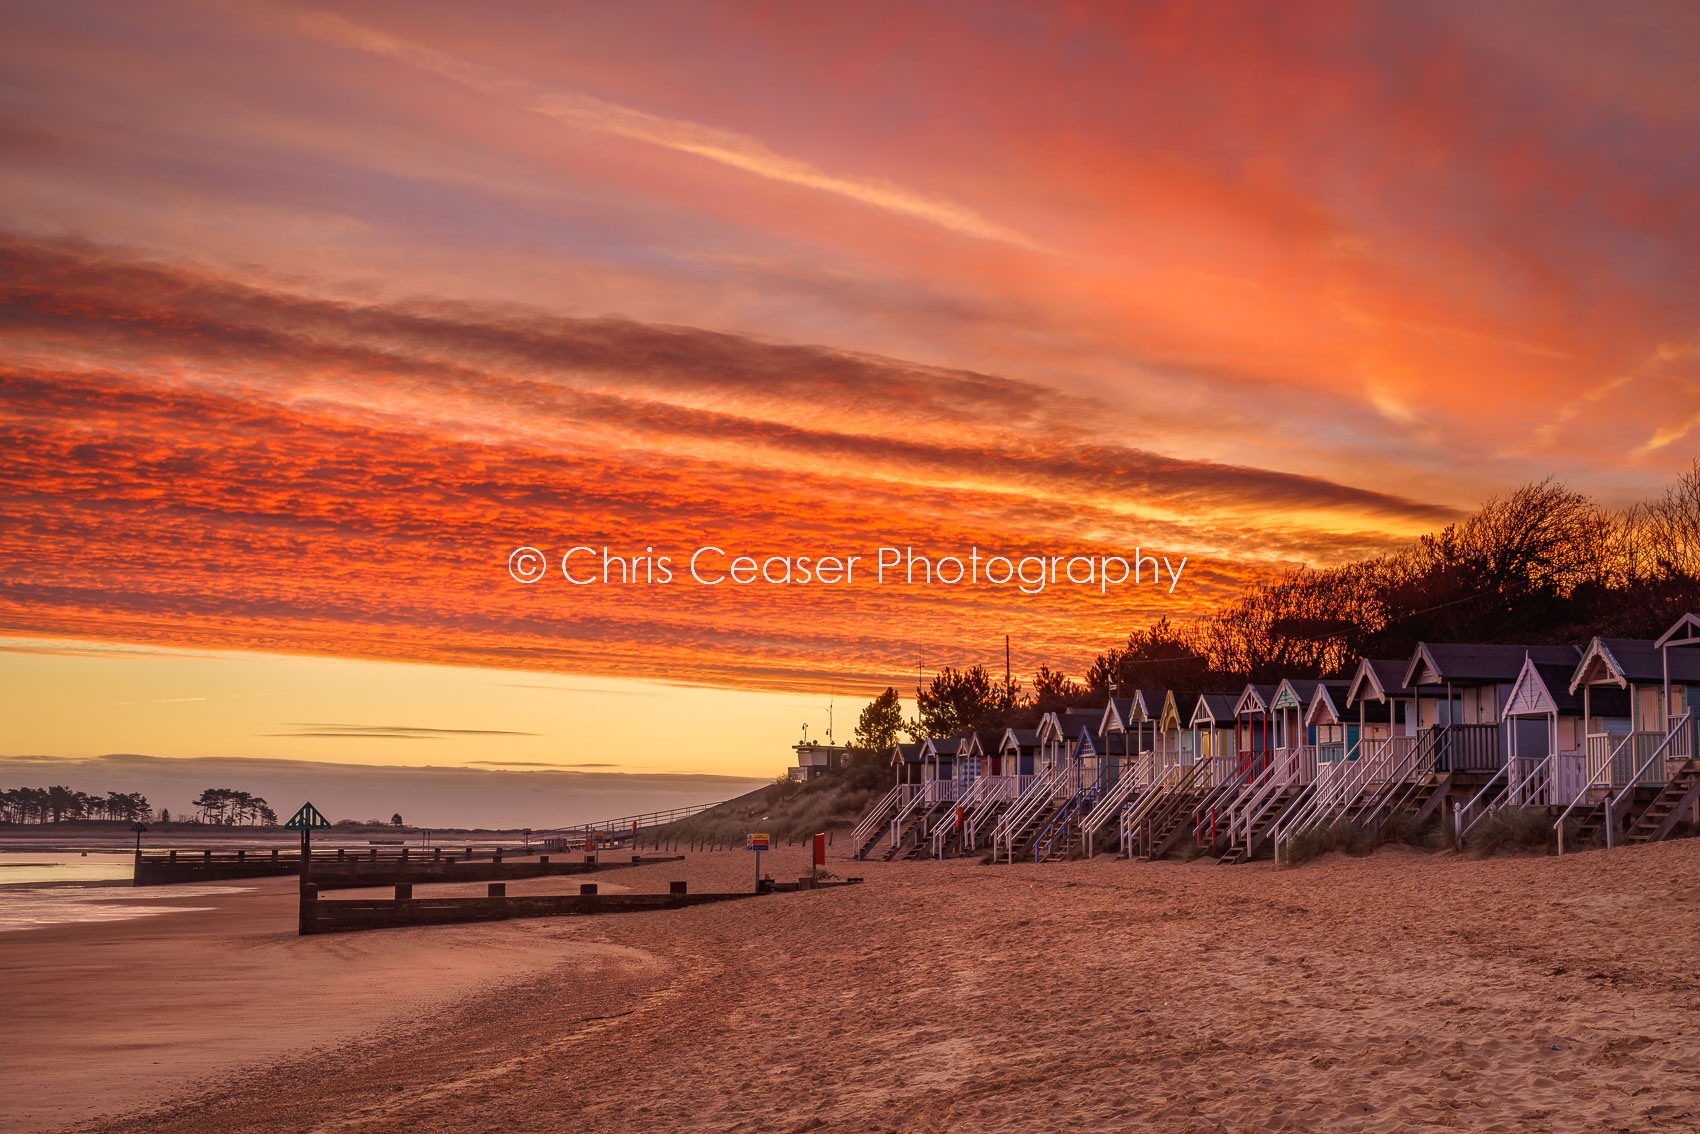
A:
194, 460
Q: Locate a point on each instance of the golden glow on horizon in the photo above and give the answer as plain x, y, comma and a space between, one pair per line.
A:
79, 700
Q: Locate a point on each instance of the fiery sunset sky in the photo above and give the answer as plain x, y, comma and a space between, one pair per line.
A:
313, 314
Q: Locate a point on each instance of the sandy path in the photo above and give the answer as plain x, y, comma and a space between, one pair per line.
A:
100, 1018
1393, 993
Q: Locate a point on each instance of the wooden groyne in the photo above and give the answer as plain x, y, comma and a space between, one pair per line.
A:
346, 869
348, 915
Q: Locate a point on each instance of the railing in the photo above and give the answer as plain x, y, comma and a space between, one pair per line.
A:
1108, 806
1330, 753
1172, 780
943, 791
1284, 767
1322, 787
1025, 808
1424, 757
994, 790
1596, 778
1618, 754
1291, 766
1061, 827
622, 827
942, 832
1351, 782
1461, 828
876, 817
1209, 811
1172, 807
916, 802
1469, 748
1680, 728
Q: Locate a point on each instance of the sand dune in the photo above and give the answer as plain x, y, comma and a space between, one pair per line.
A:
1392, 993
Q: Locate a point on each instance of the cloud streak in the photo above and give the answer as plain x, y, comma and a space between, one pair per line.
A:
582, 111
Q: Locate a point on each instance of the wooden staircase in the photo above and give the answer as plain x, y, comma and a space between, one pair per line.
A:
1021, 840
1244, 842
912, 834
1426, 799
876, 823
1170, 813
1655, 822
1165, 828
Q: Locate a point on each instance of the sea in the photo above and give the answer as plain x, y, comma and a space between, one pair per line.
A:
42, 888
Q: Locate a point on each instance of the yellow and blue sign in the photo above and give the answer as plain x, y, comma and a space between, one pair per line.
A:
757, 842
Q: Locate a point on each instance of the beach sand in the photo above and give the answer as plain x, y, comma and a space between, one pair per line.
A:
1402, 991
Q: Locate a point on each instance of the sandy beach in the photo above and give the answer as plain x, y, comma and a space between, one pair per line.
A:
1397, 992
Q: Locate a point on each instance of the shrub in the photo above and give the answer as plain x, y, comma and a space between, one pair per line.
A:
1513, 829
1342, 835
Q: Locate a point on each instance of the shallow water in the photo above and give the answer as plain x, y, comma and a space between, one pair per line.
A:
30, 907
65, 866
40, 888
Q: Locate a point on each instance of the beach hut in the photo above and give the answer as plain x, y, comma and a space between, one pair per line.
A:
1640, 753
1294, 738
1334, 730
909, 760
1548, 727
1461, 690
1385, 705
1054, 785
1134, 722
1254, 732
1214, 725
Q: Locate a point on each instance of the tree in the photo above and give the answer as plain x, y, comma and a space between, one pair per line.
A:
960, 699
1161, 656
878, 727
395, 820
1053, 691
61, 803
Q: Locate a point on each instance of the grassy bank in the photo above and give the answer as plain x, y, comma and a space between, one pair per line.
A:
790, 812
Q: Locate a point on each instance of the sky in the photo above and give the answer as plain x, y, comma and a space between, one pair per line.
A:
313, 315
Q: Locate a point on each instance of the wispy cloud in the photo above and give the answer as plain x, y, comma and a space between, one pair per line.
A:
584, 111
385, 732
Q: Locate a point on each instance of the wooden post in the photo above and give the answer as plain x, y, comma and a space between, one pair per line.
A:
308, 910
587, 889
403, 891
675, 887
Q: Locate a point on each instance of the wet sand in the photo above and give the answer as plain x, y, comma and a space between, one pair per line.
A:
1392, 993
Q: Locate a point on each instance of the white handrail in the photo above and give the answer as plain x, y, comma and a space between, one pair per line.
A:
1174, 778
1354, 785
941, 833
1038, 793
1515, 793
1003, 789
914, 803
1459, 830
1320, 787
1606, 766
1635, 777
1400, 782
1112, 802
873, 820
